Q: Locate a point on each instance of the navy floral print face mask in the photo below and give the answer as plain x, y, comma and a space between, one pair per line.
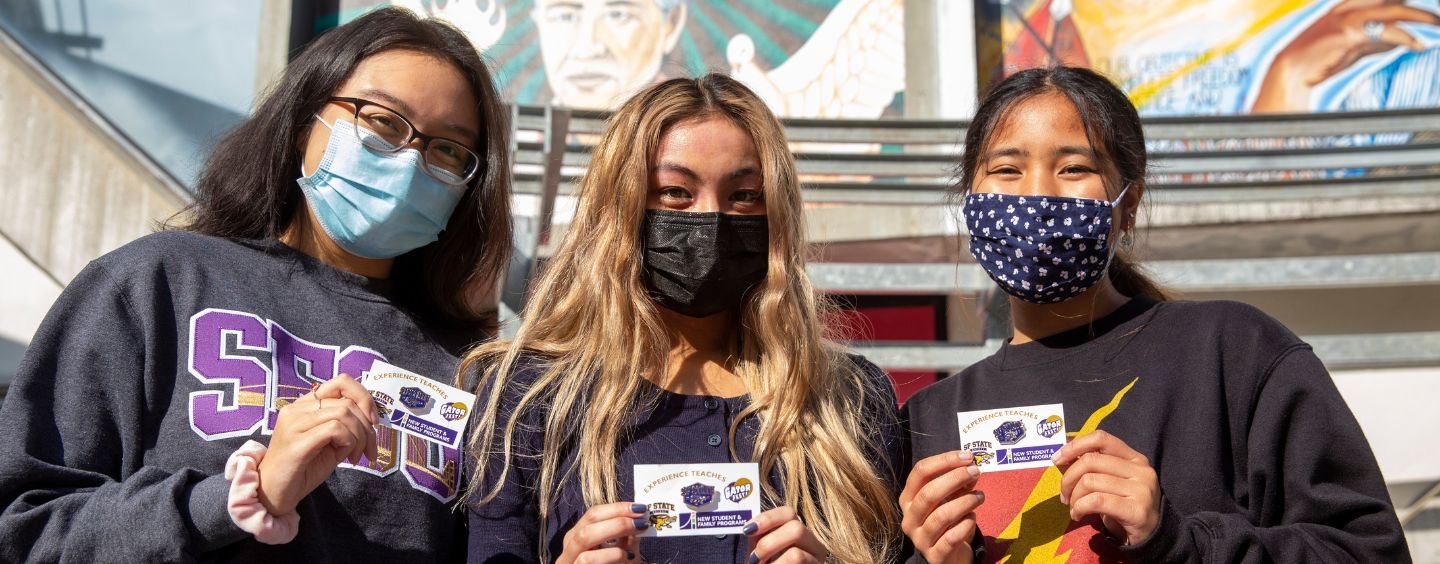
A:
1041, 249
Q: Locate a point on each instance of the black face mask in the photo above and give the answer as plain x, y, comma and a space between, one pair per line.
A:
700, 264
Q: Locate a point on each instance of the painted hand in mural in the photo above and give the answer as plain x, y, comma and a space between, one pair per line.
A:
1104, 476
1349, 31
851, 67
606, 533
778, 535
313, 434
938, 507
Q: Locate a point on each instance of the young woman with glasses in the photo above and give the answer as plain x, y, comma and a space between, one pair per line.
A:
359, 215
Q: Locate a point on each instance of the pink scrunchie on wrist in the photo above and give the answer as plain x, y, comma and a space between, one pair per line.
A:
242, 469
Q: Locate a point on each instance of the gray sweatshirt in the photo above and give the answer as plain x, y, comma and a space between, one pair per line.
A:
159, 360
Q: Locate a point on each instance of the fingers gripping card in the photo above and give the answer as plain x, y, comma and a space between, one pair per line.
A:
418, 405
1013, 438
698, 499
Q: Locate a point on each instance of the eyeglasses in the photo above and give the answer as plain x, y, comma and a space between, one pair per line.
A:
387, 131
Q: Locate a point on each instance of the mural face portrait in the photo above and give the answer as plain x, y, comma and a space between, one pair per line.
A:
597, 52
804, 58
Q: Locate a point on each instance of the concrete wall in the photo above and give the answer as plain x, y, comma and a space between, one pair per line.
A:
73, 189
26, 294
940, 59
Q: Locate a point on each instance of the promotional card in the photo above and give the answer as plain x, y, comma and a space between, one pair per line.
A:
418, 405
698, 499
1014, 437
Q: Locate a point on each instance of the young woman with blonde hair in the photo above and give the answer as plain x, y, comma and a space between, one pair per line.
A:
676, 324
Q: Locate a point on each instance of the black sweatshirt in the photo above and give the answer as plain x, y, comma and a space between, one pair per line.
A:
1258, 457
159, 360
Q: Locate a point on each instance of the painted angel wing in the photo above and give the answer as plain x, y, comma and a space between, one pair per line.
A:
483, 21
852, 65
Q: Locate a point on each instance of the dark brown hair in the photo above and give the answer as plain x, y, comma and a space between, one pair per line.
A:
1112, 125
247, 188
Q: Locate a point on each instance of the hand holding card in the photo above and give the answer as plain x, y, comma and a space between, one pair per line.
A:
938, 506
606, 533
779, 534
698, 499
1124, 489
312, 435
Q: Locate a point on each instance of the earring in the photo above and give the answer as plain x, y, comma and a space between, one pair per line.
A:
1126, 241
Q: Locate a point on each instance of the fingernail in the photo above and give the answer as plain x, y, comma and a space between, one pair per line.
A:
1062, 499
966, 456
750, 528
637, 508
629, 555
754, 559
980, 496
642, 524
973, 470
1055, 458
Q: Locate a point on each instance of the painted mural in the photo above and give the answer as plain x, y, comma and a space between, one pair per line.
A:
806, 58
1218, 57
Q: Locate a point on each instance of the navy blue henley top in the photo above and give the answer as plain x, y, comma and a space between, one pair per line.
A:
680, 429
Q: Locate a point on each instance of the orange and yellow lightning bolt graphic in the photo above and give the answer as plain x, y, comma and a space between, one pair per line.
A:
1039, 527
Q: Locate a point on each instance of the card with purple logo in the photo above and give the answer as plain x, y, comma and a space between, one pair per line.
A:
1014, 437
698, 499
418, 405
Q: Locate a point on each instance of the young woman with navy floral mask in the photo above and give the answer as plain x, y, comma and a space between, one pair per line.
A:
676, 325
359, 215
1197, 431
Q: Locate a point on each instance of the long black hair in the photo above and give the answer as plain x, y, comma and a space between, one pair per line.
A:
1112, 125
248, 189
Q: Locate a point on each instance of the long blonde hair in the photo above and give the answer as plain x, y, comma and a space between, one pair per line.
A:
597, 328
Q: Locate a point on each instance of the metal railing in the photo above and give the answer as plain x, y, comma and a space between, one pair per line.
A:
1361, 350
1204, 171
900, 158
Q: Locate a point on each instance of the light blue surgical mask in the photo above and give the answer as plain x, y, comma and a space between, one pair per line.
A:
376, 205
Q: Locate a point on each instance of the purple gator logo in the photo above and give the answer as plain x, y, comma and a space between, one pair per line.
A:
250, 367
